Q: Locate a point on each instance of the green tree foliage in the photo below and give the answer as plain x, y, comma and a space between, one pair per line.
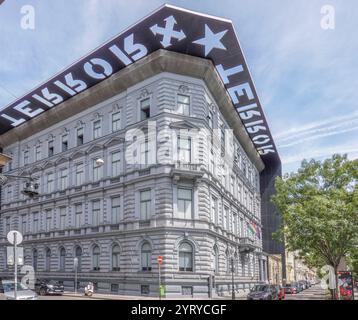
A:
319, 205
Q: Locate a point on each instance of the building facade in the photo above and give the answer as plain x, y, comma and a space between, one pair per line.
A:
198, 212
274, 263
297, 270
140, 152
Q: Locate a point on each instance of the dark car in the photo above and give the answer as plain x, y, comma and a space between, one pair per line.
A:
263, 292
303, 284
48, 287
280, 292
300, 286
290, 288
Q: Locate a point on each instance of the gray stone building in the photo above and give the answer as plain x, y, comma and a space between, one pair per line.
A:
153, 160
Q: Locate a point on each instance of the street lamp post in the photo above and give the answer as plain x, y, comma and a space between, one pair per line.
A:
232, 279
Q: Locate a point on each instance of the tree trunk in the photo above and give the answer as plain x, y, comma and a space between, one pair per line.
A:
337, 288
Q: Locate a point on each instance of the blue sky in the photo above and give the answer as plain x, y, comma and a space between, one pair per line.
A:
306, 77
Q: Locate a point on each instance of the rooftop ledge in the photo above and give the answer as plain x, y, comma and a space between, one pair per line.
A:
157, 62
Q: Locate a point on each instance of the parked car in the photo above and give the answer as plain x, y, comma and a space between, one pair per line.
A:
280, 292
299, 286
304, 284
23, 292
263, 292
48, 287
290, 288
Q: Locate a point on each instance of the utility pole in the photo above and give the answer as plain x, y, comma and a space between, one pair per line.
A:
15, 266
232, 279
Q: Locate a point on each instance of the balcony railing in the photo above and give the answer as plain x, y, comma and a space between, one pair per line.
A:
189, 170
246, 245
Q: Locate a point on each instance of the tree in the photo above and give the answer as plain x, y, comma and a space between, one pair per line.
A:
319, 205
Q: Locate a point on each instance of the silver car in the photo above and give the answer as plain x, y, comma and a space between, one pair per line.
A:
23, 292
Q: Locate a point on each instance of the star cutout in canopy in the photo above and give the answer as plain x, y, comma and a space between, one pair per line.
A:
211, 40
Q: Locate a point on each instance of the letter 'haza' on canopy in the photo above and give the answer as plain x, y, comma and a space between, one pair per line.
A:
170, 28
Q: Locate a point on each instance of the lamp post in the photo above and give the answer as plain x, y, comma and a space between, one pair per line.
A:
232, 279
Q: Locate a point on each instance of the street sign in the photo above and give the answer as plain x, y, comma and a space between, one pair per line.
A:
160, 260
19, 254
14, 235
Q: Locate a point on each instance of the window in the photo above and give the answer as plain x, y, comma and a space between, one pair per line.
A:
114, 287
116, 210
79, 136
96, 211
23, 224
62, 259
35, 222
225, 218
223, 139
95, 258
116, 121
9, 193
34, 259
64, 179
48, 220
183, 103
80, 174
116, 258
97, 171
37, 153
50, 183
241, 227
145, 109
62, 218
184, 149
48, 260
116, 163
97, 129
8, 225
144, 289
185, 203
78, 215
51, 149
26, 157
144, 153
214, 209
64, 143
9, 164
145, 204
78, 254
146, 257
211, 119
216, 259
185, 257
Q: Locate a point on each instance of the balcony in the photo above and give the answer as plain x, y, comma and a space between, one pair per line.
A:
246, 245
187, 170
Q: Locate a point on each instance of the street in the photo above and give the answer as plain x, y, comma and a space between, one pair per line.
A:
313, 293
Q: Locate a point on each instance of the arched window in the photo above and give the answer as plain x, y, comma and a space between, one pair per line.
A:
116, 258
34, 259
146, 257
185, 257
95, 258
78, 254
216, 259
62, 259
48, 259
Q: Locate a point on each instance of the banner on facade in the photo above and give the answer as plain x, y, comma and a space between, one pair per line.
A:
345, 285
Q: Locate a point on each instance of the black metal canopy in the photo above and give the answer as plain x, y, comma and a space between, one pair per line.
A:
169, 28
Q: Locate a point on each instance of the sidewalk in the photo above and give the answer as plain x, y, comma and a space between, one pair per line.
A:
102, 296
